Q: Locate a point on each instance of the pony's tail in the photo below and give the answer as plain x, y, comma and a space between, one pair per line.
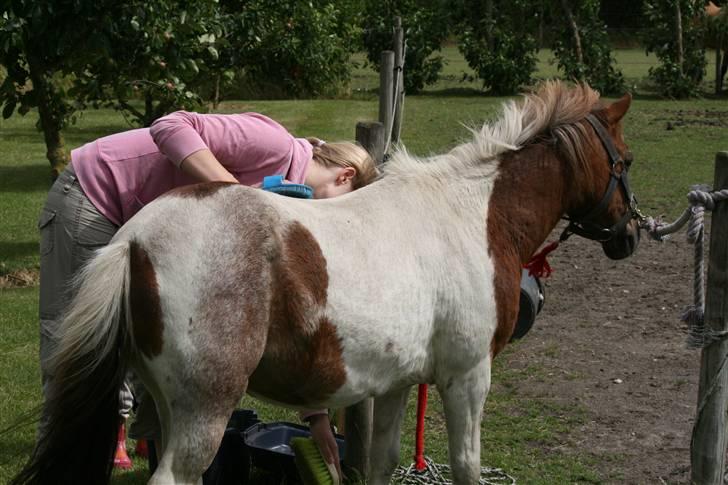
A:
80, 422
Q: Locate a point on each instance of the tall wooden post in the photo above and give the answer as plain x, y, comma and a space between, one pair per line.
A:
399, 78
386, 87
708, 445
370, 135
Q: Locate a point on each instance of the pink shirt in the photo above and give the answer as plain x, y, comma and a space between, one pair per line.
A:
121, 173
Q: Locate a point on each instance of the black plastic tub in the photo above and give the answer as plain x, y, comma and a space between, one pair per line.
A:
232, 462
269, 449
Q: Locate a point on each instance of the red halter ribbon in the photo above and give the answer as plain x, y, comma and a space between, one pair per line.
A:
420, 464
538, 266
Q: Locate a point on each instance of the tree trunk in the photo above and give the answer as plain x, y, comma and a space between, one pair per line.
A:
678, 36
216, 94
489, 24
575, 32
718, 65
50, 123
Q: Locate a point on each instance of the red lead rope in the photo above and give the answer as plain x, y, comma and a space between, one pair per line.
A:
539, 266
420, 464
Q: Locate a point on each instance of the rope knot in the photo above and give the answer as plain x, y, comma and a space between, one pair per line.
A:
699, 197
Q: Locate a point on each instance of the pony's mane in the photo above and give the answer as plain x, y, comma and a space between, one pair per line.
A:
553, 109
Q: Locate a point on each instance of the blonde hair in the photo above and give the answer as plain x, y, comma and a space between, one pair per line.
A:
346, 154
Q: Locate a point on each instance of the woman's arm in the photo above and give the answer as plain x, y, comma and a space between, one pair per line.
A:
203, 166
249, 145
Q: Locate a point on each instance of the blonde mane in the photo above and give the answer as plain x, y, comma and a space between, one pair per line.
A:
554, 109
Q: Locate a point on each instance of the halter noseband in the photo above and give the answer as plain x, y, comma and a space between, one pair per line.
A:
585, 226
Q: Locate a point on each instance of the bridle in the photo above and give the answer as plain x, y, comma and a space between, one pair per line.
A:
585, 226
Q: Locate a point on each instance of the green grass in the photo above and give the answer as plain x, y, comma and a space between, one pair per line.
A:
522, 436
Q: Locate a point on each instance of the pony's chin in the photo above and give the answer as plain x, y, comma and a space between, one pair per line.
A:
623, 245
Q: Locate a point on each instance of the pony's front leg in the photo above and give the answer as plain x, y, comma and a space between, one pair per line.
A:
384, 455
463, 397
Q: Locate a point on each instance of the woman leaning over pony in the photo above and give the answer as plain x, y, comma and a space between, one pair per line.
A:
110, 179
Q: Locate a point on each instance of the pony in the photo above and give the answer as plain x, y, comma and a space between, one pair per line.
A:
215, 290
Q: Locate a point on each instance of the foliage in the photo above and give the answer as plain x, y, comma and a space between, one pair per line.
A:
674, 78
296, 48
425, 25
596, 65
498, 42
158, 51
41, 45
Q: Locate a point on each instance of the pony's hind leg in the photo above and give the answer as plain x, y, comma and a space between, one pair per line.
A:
463, 397
193, 433
388, 412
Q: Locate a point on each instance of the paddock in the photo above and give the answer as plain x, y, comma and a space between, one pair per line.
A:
556, 410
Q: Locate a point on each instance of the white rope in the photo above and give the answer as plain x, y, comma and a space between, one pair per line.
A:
436, 474
398, 70
700, 200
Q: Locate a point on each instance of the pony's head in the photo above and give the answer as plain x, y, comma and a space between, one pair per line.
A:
604, 207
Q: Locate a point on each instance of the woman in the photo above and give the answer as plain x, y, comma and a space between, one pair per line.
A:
111, 179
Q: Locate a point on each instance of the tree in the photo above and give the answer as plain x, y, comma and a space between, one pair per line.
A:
677, 39
582, 46
498, 41
298, 48
156, 51
425, 24
41, 45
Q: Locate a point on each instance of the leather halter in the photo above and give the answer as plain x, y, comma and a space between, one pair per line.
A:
585, 226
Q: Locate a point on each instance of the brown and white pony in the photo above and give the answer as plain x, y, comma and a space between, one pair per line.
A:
216, 290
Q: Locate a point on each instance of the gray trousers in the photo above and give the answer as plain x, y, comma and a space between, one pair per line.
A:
71, 229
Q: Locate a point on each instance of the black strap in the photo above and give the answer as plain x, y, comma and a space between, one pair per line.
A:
614, 156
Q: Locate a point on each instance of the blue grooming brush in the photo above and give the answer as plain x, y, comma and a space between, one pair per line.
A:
274, 183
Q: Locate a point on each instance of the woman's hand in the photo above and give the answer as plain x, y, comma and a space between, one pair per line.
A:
323, 436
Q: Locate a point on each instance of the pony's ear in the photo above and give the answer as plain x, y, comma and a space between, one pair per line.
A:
618, 109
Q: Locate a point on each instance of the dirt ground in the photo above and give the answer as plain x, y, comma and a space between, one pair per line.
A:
610, 340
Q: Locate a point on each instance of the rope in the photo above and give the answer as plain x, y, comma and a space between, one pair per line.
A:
700, 200
436, 474
395, 102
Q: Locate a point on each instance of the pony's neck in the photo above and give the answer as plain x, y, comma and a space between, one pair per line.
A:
530, 194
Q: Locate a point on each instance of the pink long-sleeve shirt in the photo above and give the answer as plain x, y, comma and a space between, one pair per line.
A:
121, 173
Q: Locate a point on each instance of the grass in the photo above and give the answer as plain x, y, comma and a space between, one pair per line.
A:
522, 436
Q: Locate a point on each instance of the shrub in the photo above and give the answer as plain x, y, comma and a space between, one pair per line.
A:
596, 65
296, 48
681, 70
497, 41
425, 27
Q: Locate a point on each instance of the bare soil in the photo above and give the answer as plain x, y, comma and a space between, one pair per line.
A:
609, 340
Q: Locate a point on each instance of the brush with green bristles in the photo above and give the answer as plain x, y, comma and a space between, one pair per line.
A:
311, 464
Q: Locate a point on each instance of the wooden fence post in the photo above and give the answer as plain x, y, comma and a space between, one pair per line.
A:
708, 444
370, 135
399, 78
358, 418
386, 88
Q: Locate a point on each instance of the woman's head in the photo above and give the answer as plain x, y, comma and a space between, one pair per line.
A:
338, 168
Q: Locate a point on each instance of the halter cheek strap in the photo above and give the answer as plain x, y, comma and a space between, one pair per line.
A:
585, 226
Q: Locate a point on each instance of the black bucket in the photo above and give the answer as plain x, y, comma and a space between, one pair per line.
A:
232, 461
269, 448
532, 300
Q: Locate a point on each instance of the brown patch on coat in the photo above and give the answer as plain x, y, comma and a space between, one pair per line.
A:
146, 312
199, 191
303, 361
526, 203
